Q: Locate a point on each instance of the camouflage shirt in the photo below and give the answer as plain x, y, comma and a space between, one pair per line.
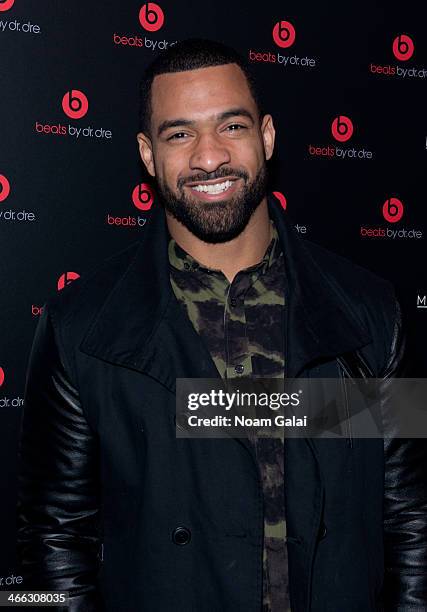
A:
241, 324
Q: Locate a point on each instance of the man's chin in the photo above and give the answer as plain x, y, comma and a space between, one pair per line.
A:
215, 236
216, 219
213, 205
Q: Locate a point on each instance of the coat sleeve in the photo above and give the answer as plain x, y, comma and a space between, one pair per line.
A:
58, 539
405, 500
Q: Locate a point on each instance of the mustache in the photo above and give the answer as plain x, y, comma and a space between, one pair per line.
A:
221, 173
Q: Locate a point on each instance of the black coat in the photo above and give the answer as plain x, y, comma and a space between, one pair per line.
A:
117, 511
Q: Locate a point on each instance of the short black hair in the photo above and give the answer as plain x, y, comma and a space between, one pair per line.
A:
190, 54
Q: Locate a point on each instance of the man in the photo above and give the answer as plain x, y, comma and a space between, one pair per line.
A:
116, 510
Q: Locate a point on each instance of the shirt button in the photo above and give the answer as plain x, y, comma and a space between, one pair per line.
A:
239, 368
186, 265
233, 301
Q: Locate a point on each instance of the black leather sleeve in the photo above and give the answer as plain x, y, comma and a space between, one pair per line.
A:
405, 501
58, 509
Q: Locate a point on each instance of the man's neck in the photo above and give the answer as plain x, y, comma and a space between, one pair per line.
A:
247, 249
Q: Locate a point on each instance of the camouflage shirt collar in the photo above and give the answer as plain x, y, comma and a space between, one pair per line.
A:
181, 260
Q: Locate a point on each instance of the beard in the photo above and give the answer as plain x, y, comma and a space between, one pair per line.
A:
220, 221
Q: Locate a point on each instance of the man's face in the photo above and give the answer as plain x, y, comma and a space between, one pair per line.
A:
208, 149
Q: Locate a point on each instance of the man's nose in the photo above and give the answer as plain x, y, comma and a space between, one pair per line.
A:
209, 154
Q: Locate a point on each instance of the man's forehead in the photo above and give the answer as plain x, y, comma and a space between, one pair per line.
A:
200, 91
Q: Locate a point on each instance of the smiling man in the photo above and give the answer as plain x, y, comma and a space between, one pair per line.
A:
207, 146
118, 511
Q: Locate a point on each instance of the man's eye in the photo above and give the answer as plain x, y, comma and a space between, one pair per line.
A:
177, 136
235, 127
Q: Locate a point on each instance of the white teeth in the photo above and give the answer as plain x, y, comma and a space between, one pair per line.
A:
213, 188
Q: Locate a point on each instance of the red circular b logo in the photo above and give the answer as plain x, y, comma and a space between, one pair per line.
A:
1, 376
403, 47
393, 210
67, 278
281, 199
284, 34
143, 196
342, 128
5, 5
4, 188
151, 17
75, 104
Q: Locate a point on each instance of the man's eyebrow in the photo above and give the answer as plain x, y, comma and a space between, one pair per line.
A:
235, 112
171, 123
232, 112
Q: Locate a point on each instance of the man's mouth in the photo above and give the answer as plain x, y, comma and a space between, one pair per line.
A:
213, 187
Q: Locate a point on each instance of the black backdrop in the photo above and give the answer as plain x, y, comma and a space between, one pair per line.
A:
345, 83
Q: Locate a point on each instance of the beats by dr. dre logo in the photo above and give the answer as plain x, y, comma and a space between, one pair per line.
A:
4, 188
284, 34
5, 5
75, 104
392, 210
66, 279
403, 47
143, 196
151, 17
342, 128
281, 199
1, 376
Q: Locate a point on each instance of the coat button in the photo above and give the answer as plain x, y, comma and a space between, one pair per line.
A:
181, 536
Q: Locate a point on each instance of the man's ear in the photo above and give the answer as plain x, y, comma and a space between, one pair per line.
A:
146, 151
268, 135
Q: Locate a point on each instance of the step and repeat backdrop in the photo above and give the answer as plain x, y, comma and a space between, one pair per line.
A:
345, 83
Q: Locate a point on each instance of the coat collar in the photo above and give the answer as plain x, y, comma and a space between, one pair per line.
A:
142, 326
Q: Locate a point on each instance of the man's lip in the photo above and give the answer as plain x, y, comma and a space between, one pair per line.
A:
213, 181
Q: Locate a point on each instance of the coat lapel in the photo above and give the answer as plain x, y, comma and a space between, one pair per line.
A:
141, 324
321, 322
